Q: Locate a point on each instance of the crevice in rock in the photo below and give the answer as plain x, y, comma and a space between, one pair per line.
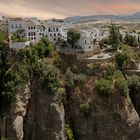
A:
135, 98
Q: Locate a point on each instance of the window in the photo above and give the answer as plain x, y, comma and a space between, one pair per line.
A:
49, 30
19, 25
29, 28
54, 34
58, 34
29, 34
57, 29
34, 38
34, 27
54, 39
39, 33
12, 26
58, 39
16, 26
85, 42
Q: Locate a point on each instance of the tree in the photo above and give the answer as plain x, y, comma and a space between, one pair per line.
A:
121, 86
134, 84
121, 60
131, 40
44, 48
72, 37
114, 36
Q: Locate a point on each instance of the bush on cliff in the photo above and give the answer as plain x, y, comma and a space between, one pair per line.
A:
69, 132
85, 108
103, 87
121, 84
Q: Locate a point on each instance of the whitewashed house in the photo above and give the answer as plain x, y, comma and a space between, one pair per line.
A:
86, 41
54, 33
15, 24
41, 32
31, 31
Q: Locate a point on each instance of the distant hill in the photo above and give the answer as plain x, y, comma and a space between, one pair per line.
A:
135, 16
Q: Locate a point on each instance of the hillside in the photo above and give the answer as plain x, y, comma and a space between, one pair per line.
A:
133, 17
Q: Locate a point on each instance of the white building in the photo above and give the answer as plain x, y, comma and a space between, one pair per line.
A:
15, 24
54, 33
35, 29
41, 32
86, 41
31, 31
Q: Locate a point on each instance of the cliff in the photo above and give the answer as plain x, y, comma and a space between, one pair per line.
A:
37, 113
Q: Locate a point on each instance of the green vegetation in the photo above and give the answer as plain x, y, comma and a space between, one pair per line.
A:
85, 108
7, 79
18, 36
110, 83
72, 37
121, 60
69, 79
121, 84
3, 36
131, 40
114, 37
134, 84
69, 132
103, 87
17, 68
50, 79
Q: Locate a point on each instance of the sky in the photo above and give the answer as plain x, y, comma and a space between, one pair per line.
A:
45, 9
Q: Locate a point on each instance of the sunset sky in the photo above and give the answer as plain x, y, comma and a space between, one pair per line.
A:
62, 8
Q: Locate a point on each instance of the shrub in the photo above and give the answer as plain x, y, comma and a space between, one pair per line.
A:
69, 79
81, 78
121, 83
69, 132
122, 87
121, 60
103, 87
85, 108
134, 83
50, 79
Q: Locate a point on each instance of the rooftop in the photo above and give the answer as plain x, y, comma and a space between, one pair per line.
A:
15, 19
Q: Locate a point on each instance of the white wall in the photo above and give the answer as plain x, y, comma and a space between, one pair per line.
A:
13, 26
19, 45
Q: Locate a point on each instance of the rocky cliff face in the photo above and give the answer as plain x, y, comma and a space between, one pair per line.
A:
37, 115
109, 119
45, 117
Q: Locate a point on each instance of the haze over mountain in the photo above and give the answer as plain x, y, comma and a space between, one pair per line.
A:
135, 16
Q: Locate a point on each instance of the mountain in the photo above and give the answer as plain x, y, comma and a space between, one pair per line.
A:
74, 19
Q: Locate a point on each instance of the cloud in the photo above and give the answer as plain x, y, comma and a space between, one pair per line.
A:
62, 8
